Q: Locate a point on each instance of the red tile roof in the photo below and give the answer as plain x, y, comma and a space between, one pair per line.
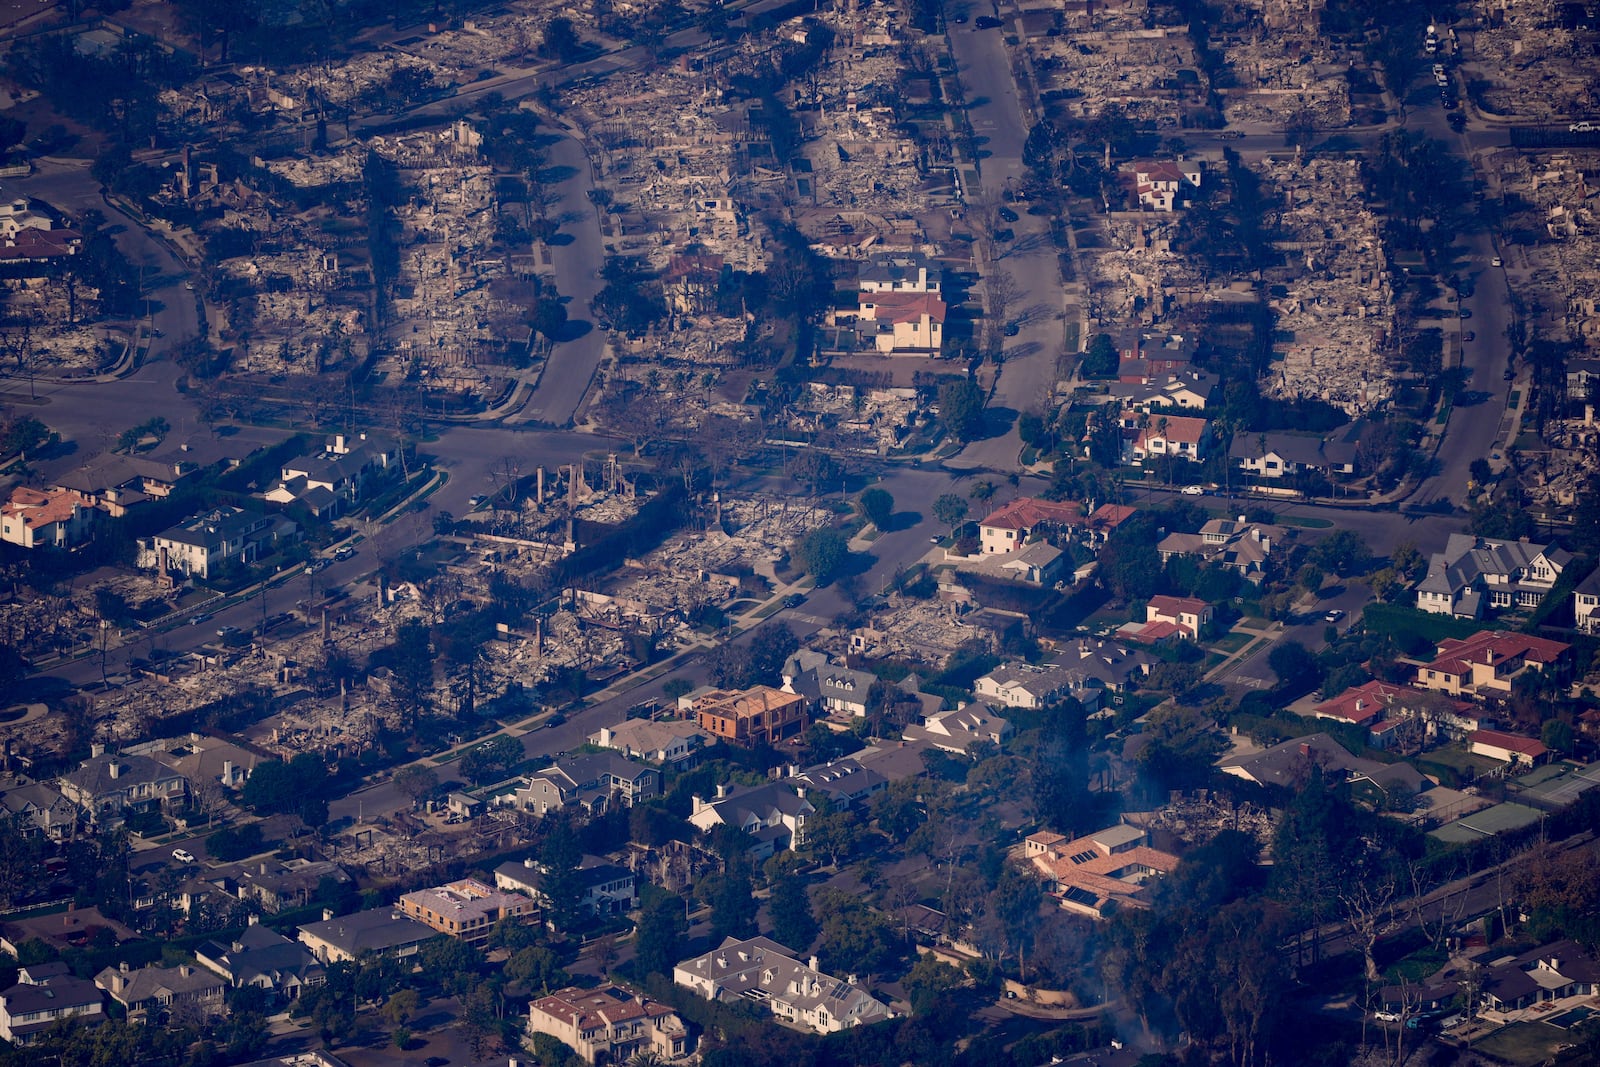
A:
1026, 512
905, 307
1489, 646
1526, 746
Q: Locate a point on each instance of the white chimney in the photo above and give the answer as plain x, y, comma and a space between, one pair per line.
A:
722, 791
327, 915
115, 768
97, 750
814, 962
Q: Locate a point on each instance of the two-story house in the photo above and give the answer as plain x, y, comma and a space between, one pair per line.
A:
958, 730
1586, 604
1489, 663
761, 971
264, 959
1182, 436
774, 814
755, 716
1275, 456
1187, 613
1007, 529
158, 994
588, 784
107, 787
610, 1025
54, 518
1473, 574
1240, 546
466, 910
45, 995
1163, 185
604, 888
669, 742
225, 534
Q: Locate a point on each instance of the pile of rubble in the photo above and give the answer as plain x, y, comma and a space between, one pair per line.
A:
1136, 276
1561, 266
1337, 306
1284, 71
875, 420
917, 630
1117, 60
1530, 66
859, 154
665, 144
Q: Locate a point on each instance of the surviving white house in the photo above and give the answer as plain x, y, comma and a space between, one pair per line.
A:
763, 971
1473, 574
1162, 185
225, 534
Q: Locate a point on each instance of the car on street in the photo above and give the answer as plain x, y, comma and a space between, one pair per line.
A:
1386, 1016
555, 720
1009, 215
183, 855
344, 553
960, 20
227, 632
1194, 490
1006, 234
317, 565
1012, 329
987, 22
794, 600
1333, 615
203, 617
1232, 135
1576, 127
1496, 262
1466, 313
1470, 335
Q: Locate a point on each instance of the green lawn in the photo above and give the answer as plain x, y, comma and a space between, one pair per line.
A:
1230, 642
1523, 1043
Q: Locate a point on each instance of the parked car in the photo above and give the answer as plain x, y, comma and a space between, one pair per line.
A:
1009, 215
183, 855
1333, 615
1470, 335
794, 600
344, 553
1232, 135
203, 617
1581, 127
1194, 490
1496, 262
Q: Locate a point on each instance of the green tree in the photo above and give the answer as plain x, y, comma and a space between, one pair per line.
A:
415, 781
493, 759
928, 979
823, 554
560, 855
660, 934
1557, 736
537, 968
1100, 360
733, 903
413, 674
950, 510
855, 938
1291, 662
789, 908
878, 507
961, 405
